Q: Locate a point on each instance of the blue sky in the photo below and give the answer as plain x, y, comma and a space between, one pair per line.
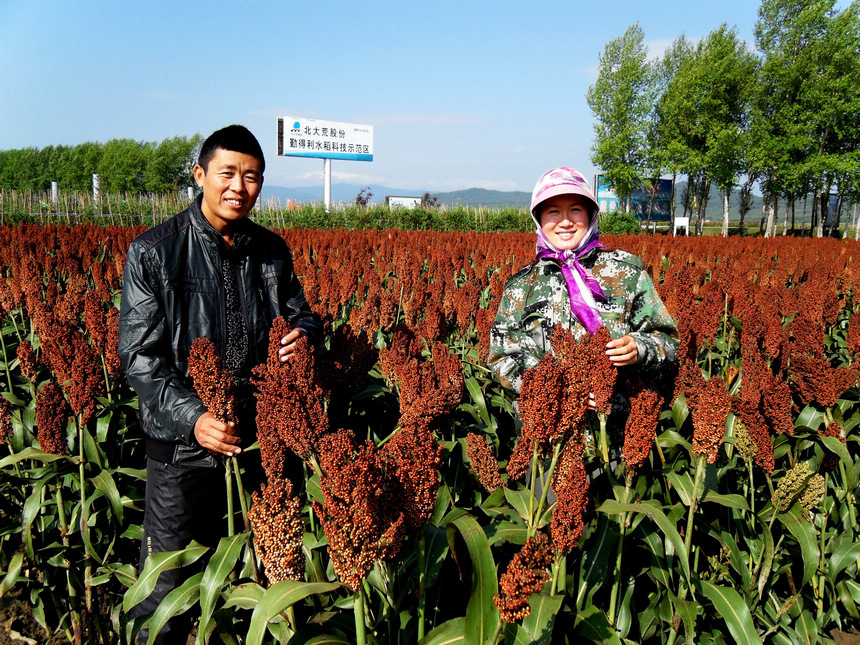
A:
460, 94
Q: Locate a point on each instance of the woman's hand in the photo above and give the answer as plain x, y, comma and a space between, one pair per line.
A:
289, 343
622, 351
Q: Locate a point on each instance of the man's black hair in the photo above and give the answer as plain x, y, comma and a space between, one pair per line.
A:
236, 138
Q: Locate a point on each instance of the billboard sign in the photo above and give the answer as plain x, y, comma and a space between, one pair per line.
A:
656, 199
402, 202
299, 137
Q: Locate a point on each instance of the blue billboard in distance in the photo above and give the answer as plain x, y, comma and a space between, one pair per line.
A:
651, 199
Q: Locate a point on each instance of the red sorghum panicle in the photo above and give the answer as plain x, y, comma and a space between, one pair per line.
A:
276, 518
541, 407
776, 405
27, 361
111, 349
641, 426
582, 366
852, 339
602, 372
570, 484
428, 389
213, 383
94, 319
51, 419
289, 400
5, 419
87, 382
526, 574
484, 463
413, 457
831, 459
484, 319
360, 517
710, 406
73, 361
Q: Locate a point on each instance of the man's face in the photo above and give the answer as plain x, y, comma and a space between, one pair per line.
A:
231, 184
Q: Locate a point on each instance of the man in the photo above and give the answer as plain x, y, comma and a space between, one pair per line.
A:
208, 271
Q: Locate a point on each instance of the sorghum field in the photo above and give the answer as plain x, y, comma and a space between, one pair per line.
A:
404, 499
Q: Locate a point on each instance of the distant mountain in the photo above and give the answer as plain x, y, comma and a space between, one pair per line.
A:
485, 198
346, 194
340, 193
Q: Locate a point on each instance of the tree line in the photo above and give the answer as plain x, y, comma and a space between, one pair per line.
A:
783, 117
124, 165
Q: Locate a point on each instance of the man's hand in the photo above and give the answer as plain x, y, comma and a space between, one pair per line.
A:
216, 436
289, 343
622, 351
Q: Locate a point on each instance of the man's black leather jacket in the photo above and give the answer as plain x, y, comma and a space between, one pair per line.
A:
173, 293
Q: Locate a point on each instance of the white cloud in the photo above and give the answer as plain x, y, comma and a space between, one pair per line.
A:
656, 48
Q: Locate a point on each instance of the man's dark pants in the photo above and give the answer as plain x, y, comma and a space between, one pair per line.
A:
182, 504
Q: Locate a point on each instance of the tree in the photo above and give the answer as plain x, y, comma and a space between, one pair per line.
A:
806, 117
621, 101
664, 155
704, 116
122, 165
84, 160
170, 163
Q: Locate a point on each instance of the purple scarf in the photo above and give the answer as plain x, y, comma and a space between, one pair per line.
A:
569, 260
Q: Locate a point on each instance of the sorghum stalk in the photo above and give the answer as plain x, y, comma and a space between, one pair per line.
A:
88, 590
688, 537
545, 484
613, 596
360, 627
532, 480
694, 502
422, 581
821, 567
6, 363
243, 503
849, 497
228, 479
64, 537
559, 573
497, 633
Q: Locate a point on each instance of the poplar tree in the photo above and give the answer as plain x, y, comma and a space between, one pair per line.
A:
704, 116
807, 112
621, 101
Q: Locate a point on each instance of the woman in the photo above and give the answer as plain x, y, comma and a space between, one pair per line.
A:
578, 282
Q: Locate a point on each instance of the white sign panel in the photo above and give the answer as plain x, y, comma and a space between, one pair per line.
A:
403, 202
298, 137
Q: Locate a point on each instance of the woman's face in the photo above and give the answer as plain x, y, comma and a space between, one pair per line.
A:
564, 220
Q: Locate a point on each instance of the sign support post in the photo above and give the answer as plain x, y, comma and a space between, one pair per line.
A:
327, 184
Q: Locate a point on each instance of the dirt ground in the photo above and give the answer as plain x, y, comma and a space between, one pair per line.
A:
18, 627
